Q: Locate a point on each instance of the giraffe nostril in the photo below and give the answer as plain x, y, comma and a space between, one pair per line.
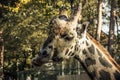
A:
45, 53
51, 47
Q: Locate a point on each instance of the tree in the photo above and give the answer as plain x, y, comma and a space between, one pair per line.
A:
1, 55
99, 26
112, 27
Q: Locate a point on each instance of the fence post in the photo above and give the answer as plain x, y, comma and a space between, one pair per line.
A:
18, 76
32, 77
63, 67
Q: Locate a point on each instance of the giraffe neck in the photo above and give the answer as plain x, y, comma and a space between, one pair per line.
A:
97, 62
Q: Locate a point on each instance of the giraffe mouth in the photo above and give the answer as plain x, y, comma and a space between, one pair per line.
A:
43, 57
55, 57
35, 63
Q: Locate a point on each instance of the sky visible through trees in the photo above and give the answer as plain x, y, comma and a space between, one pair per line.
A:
105, 25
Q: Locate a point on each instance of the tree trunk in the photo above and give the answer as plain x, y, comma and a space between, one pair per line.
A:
98, 31
111, 27
1, 56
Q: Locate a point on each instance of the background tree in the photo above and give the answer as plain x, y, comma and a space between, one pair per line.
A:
1, 56
112, 27
99, 21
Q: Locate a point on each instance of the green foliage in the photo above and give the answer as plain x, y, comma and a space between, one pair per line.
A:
24, 33
89, 13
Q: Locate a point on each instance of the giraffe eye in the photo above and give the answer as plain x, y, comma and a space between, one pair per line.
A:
67, 36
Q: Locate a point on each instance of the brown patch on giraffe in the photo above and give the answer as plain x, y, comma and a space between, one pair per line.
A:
76, 47
72, 47
90, 61
104, 62
72, 54
104, 75
84, 51
69, 54
87, 43
91, 49
117, 75
66, 51
106, 53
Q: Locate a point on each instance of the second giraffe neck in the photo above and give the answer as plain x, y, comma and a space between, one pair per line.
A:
97, 61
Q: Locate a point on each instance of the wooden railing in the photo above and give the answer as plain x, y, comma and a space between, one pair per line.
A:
52, 74
82, 76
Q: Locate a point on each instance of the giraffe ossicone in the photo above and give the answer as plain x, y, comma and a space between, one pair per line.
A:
66, 39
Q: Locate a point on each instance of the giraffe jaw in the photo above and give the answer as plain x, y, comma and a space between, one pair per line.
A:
40, 59
55, 59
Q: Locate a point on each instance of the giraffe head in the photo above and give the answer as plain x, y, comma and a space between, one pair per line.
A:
64, 34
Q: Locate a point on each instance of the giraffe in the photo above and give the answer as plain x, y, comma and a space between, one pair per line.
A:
67, 39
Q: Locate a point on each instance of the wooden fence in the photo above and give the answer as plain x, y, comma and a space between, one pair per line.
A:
82, 76
52, 74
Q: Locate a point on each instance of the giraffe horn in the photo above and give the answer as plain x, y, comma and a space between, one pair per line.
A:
76, 15
63, 11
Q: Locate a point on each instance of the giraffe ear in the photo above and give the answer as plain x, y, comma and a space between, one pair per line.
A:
84, 26
81, 28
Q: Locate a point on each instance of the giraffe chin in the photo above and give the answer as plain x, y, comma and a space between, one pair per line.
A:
43, 62
56, 59
39, 61
36, 65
